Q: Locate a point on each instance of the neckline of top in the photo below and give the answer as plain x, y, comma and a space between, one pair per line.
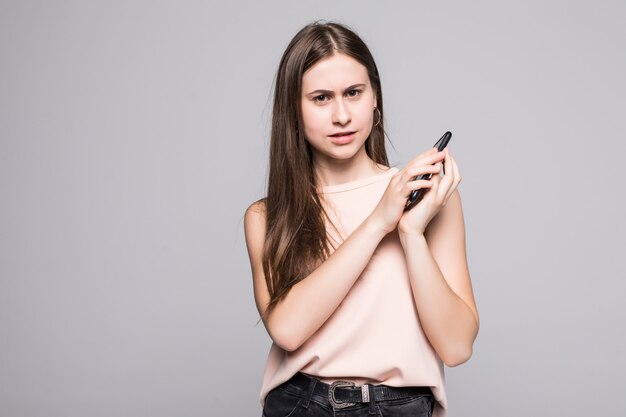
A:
351, 185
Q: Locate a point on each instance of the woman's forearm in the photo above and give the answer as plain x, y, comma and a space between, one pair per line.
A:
310, 302
447, 320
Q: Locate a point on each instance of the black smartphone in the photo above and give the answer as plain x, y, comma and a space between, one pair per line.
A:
416, 195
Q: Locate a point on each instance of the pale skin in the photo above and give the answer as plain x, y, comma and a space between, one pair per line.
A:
432, 234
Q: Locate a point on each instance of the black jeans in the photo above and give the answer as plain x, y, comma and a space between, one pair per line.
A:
292, 399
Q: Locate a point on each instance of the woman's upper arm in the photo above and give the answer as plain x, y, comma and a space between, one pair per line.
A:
254, 228
445, 235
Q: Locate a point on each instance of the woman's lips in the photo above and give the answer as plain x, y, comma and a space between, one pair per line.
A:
342, 139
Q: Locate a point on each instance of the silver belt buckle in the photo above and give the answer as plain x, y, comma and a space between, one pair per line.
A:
331, 393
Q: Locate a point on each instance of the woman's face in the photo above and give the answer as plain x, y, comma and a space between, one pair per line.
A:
337, 97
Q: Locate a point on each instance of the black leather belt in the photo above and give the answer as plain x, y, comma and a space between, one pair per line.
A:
345, 393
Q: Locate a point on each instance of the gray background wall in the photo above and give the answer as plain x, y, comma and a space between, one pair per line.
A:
133, 135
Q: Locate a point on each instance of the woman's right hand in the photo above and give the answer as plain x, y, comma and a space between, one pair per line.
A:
390, 208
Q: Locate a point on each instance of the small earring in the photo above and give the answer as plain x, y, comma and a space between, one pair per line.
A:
380, 116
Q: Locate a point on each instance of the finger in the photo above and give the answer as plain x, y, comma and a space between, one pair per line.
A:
436, 179
427, 158
429, 162
456, 177
410, 173
448, 179
437, 176
425, 154
416, 185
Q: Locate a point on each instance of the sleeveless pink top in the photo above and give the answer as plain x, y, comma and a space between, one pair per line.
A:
374, 336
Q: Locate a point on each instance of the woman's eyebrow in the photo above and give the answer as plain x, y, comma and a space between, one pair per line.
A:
331, 93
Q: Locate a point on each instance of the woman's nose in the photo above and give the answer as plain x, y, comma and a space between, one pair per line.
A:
341, 113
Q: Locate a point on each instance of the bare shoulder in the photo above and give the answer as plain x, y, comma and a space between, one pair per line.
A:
254, 229
255, 216
257, 207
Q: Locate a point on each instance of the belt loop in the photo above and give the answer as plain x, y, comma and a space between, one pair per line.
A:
372, 399
312, 383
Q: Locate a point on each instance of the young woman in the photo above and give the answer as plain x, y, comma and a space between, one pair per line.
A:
364, 302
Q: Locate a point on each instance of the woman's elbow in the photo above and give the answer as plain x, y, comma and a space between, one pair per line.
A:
285, 340
457, 358
286, 343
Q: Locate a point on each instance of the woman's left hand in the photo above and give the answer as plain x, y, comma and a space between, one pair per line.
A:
435, 197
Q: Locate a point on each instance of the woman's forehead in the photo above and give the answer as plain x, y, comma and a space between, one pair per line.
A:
334, 73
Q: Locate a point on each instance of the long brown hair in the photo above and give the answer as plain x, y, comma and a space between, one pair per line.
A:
296, 239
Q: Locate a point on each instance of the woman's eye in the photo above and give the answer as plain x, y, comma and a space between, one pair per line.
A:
321, 98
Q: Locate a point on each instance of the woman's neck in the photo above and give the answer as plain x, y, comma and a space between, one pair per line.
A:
346, 171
